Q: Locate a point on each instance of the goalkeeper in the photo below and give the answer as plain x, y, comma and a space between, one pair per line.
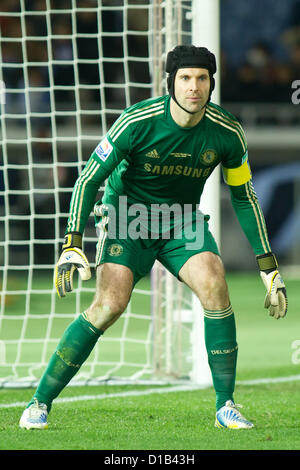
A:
161, 151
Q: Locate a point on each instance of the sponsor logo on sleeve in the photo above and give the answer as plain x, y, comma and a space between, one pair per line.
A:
104, 149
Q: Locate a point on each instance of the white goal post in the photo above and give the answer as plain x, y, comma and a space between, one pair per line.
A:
68, 68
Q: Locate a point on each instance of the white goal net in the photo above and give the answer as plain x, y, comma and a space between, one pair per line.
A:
68, 68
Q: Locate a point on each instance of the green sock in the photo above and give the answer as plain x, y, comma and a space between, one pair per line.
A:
73, 349
221, 346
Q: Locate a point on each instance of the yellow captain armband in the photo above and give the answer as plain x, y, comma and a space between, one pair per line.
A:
237, 176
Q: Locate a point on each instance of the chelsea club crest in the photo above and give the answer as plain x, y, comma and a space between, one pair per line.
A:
208, 157
115, 249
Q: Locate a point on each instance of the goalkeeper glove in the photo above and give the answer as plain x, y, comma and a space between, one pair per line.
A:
72, 258
276, 298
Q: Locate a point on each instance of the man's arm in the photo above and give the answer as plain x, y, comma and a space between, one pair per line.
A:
102, 162
252, 221
247, 208
237, 175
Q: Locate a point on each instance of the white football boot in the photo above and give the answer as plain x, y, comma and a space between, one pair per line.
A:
229, 417
35, 416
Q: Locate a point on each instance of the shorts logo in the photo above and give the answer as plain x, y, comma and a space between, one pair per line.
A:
208, 157
115, 249
104, 149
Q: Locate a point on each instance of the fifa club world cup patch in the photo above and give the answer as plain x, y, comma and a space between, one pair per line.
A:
104, 149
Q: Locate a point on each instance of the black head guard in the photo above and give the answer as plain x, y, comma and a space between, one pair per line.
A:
187, 57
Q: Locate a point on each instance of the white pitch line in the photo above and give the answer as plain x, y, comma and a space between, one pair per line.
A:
150, 391
275, 380
131, 393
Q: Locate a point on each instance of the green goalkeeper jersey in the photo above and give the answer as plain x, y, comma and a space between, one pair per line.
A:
149, 159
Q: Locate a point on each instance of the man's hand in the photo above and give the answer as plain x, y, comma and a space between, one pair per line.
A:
72, 258
276, 298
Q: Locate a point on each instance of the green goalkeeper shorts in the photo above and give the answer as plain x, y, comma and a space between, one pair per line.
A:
139, 251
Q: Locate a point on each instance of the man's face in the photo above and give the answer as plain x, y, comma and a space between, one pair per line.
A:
192, 87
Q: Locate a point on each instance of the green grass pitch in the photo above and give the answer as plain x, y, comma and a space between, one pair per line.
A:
110, 418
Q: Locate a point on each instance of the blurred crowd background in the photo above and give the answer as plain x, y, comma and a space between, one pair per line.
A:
261, 50
260, 59
260, 44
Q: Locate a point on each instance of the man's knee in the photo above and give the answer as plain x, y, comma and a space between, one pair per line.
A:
113, 290
104, 314
205, 274
112, 307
